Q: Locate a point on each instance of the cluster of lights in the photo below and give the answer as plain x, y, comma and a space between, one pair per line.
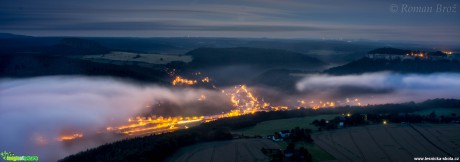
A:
202, 97
447, 52
244, 101
327, 104
421, 54
151, 125
178, 80
70, 137
171, 72
416, 54
347, 114
205, 80
182, 81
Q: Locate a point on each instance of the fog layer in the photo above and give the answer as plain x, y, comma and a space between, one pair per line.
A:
34, 112
382, 87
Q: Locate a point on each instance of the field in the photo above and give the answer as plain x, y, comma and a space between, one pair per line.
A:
439, 111
318, 153
128, 57
393, 142
242, 150
272, 126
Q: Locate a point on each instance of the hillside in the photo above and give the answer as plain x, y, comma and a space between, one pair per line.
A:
279, 79
211, 57
77, 46
365, 65
40, 65
10, 44
387, 50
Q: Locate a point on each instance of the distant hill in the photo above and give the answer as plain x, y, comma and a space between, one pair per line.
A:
77, 46
9, 35
404, 62
19, 66
279, 79
365, 65
141, 45
387, 50
330, 51
211, 57
438, 53
12, 43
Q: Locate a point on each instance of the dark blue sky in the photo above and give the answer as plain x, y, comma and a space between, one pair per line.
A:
329, 19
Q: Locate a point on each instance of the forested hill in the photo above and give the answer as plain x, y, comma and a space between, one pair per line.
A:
209, 57
77, 46
387, 50
366, 65
21, 66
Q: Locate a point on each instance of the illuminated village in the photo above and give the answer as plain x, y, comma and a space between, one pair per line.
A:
243, 101
70, 137
438, 55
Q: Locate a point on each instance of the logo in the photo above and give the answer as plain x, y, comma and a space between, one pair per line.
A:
9, 156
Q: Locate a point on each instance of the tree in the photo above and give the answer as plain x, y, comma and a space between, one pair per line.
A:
307, 157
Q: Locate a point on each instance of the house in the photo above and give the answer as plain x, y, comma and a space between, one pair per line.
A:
284, 133
340, 125
275, 138
288, 153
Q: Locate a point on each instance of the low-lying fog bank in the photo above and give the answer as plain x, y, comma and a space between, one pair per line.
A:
36, 111
383, 87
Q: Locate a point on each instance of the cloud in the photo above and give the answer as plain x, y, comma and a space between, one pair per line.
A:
383, 87
270, 19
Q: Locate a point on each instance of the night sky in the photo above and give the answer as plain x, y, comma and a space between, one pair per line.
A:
311, 19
